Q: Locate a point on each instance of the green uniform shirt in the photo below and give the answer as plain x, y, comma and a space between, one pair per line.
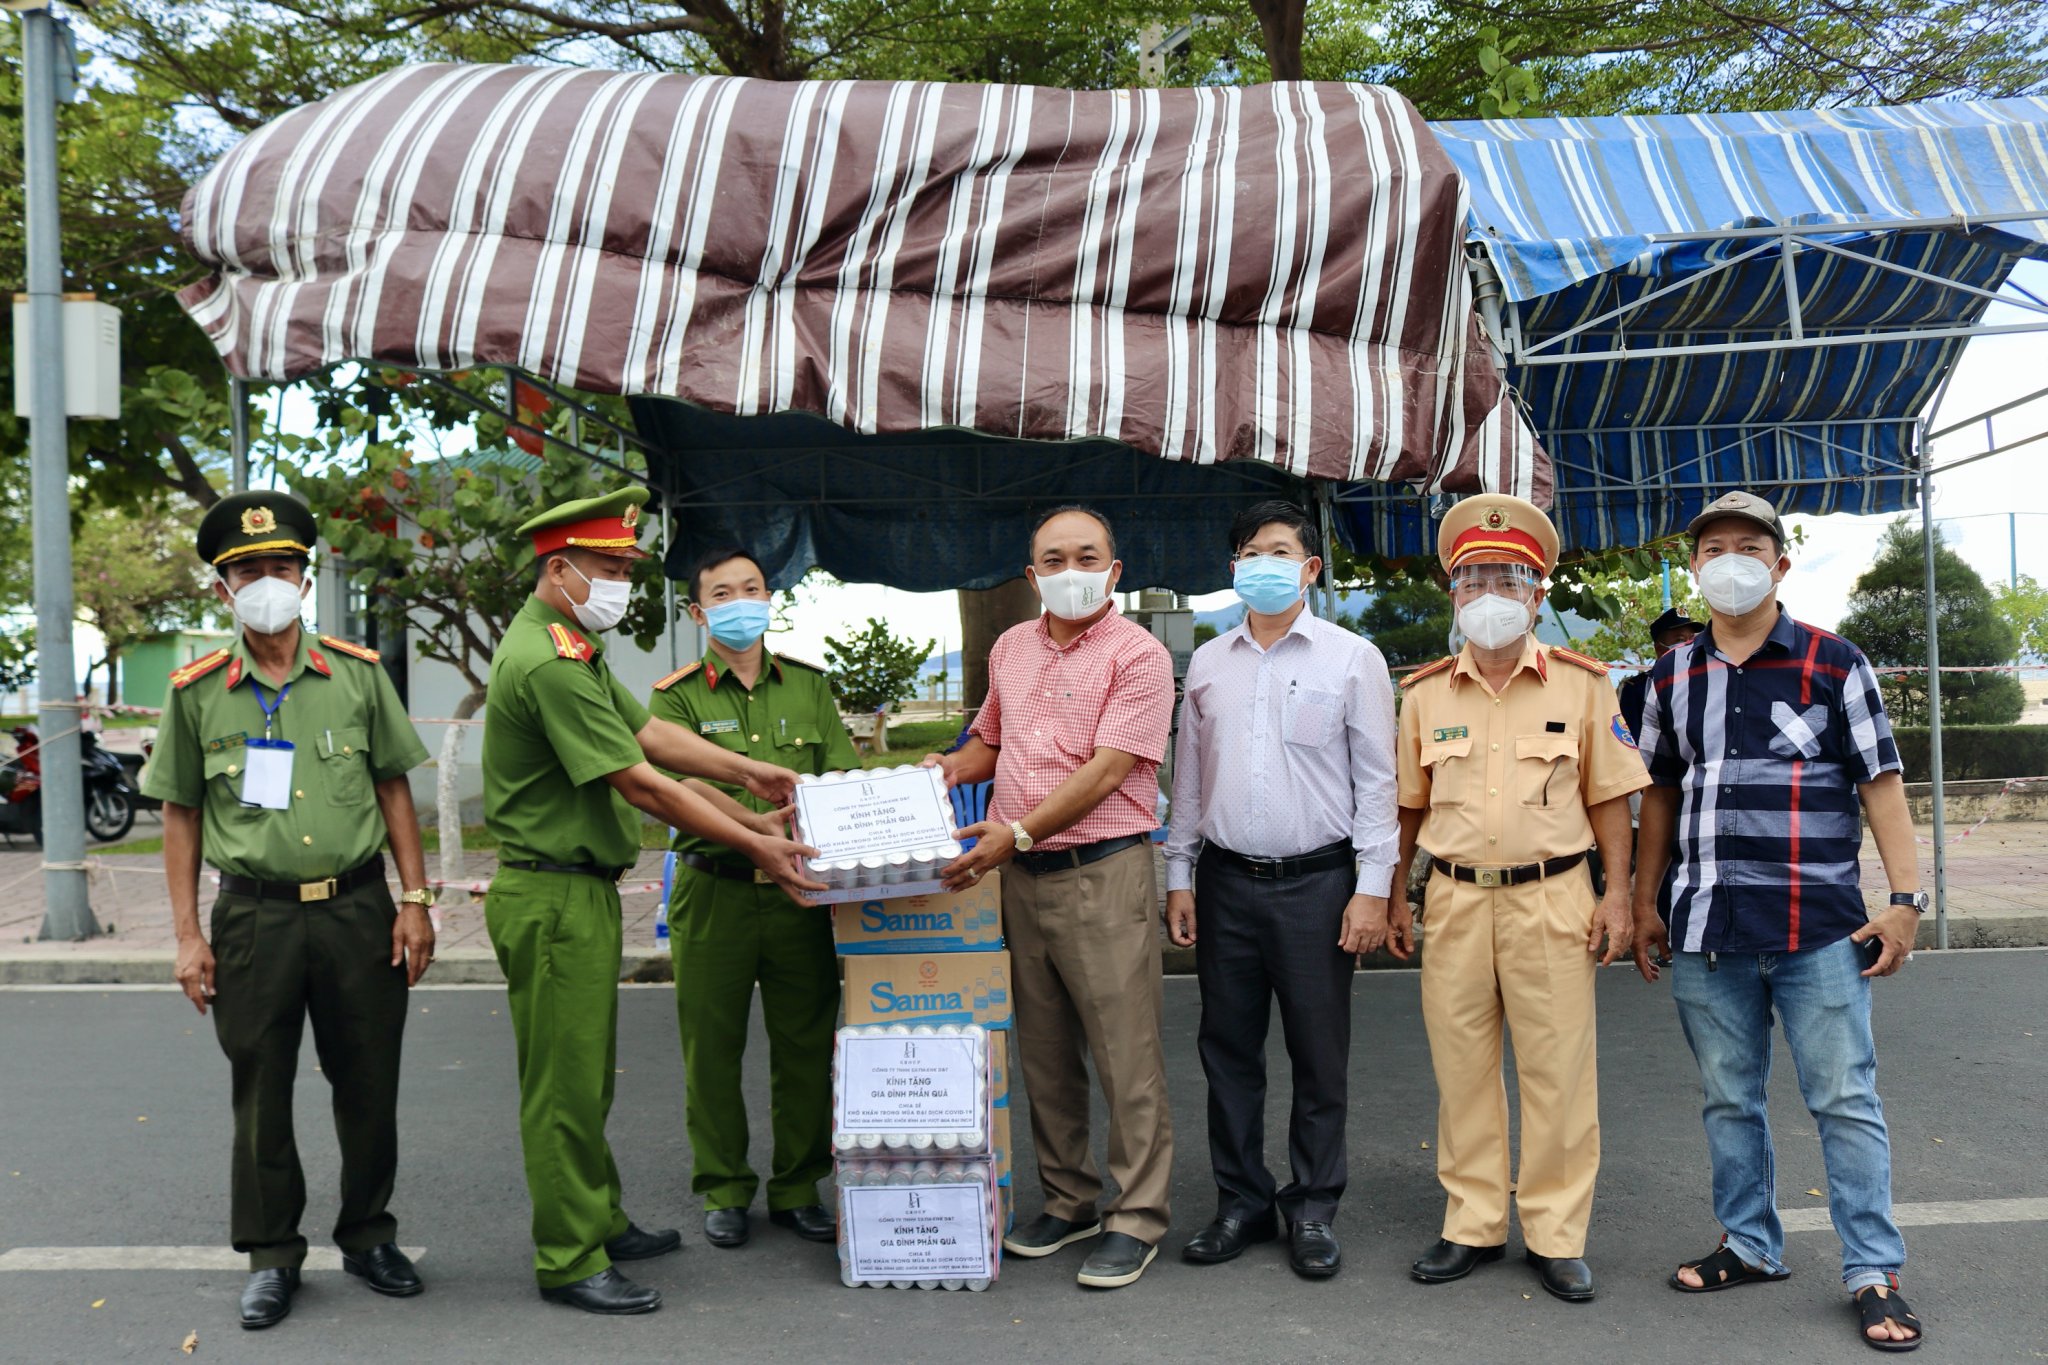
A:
789, 718
347, 730
556, 725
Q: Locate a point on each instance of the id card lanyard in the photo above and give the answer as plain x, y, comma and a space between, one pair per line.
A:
267, 774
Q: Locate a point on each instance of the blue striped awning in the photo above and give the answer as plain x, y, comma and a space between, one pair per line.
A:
1582, 218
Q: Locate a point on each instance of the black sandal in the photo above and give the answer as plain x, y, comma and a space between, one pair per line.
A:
1722, 1270
1892, 1307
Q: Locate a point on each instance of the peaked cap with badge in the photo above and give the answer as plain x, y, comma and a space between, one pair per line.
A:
1497, 524
608, 525
259, 523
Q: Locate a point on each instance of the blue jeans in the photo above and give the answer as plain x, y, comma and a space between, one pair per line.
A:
1824, 1004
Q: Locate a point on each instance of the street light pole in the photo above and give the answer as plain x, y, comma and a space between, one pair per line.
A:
66, 913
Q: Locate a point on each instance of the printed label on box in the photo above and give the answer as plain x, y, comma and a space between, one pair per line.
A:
918, 1232
948, 922
875, 813
928, 988
908, 1085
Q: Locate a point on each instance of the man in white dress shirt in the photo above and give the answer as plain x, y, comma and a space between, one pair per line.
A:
1284, 800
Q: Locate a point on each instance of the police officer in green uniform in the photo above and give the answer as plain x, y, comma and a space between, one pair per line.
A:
727, 931
567, 771
281, 760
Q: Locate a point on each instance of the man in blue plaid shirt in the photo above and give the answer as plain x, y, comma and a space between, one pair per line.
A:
1767, 744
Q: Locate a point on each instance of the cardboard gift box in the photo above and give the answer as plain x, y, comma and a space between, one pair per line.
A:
928, 988
949, 922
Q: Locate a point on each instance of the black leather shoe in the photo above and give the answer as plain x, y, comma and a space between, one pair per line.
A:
1566, 1277
638, 1244
1045, 1234
1447, 1261
267, 1298
608, 1293
726, 1227
1313, 1250
812, 1222
1116, 1261
385, 1269
1224, 1239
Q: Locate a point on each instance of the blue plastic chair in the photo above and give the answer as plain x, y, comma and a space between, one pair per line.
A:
970, 807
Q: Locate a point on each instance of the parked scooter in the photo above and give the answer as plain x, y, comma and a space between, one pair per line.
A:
109, 798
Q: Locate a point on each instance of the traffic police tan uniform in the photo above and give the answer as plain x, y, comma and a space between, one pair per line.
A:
1505, 780
729, 929
303, 922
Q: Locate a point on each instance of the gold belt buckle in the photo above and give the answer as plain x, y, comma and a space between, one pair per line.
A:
316, 891
761, 878
1486, 876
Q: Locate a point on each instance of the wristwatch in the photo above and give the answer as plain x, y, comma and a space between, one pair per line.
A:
1916, 899
423, 898
1022, 840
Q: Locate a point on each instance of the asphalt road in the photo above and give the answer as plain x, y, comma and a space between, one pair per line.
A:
1964, 1067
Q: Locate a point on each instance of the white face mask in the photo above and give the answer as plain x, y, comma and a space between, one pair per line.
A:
606, 605
1073, 595
1735, 585
1493, 621
268, 605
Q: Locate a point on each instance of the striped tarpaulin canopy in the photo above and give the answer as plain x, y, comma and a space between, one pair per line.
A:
1273, 273
1570, 212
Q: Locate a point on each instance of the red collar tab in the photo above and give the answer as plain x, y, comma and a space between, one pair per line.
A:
318, 662
234, 672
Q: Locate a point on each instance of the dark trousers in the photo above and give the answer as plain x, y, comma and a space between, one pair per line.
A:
276, 964
1257, 940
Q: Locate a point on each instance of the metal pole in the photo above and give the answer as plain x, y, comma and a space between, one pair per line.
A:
238, 434
1327, 524
668, 589
1934, 704
66, 912
2012, 541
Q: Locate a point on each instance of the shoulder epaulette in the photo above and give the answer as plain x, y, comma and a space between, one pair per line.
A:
1428, 669
672, 679
568, 644
1572, 656
199, 667
351, 648
802, 663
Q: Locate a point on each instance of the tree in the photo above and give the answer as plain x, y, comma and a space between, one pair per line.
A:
134, 574
1887, 618
1409, 619
2024, 605
1638, 602
874, 670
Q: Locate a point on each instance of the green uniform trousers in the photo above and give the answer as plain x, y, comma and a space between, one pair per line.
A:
726, 935
558, 938
275, 964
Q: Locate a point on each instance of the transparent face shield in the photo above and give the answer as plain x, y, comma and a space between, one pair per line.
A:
1516, 582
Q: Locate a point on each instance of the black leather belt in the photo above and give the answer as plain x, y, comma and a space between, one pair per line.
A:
324, 889
749, 873
1038, 864
1321, 859
1509, 876
603, 874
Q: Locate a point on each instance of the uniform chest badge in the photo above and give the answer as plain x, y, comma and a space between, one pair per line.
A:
214, 746
726, 726
1451, 732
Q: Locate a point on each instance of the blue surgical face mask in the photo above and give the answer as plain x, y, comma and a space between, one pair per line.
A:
737, 624
1268, 584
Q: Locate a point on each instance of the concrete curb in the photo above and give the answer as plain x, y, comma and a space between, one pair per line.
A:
63, 965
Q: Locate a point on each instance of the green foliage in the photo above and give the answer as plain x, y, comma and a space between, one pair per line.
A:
1975, 751
17, 656
1204, 633
1637, 602
1887, 619
430, 541
874, 670
2024, 605
1408, 619
134, 574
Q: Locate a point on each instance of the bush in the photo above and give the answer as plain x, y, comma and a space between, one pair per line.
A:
1976, 751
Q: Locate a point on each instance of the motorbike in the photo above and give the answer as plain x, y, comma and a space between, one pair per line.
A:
109, 797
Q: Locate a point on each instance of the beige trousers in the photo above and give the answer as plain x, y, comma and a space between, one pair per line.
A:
1084, 962
1516, 954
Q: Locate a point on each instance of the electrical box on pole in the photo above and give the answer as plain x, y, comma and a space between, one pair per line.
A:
92, 358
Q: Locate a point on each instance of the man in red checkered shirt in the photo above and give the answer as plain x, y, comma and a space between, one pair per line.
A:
1079, 705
